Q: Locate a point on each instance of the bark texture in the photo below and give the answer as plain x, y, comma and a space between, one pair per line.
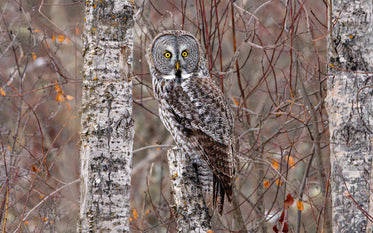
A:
350, 107
106, 125
191, 210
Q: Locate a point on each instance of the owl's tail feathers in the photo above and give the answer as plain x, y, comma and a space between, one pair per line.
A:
221, 186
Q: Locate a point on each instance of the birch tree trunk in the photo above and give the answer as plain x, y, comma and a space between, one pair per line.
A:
106, 125
350, 108
191, 210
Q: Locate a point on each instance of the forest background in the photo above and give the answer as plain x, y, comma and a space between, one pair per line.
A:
269, 58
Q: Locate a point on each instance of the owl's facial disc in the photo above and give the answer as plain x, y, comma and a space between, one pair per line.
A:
175, 56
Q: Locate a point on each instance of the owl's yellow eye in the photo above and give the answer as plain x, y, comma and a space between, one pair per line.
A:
184, 53
167, 54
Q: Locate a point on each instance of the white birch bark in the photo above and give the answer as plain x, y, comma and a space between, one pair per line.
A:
191, 211
350, 107
106, 125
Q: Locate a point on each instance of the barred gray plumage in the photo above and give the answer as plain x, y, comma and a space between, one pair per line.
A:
193, 109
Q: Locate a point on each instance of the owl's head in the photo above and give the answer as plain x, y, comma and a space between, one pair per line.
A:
175, 54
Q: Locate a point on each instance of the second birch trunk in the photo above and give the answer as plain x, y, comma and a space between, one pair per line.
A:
350, 107
106, 124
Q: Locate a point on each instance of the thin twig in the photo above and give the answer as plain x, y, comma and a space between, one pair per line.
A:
46, 198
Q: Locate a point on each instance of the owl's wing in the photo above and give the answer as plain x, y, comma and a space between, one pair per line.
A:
200, 107
205, 108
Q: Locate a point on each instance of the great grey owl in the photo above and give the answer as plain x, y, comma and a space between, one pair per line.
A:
192, 107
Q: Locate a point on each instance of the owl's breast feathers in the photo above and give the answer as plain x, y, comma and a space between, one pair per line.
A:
200, 111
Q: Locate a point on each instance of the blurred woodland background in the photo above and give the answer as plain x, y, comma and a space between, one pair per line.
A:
269, 58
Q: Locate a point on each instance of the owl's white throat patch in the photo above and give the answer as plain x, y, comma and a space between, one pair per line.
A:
173, 76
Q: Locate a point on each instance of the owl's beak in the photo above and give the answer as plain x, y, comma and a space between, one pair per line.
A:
177, 65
